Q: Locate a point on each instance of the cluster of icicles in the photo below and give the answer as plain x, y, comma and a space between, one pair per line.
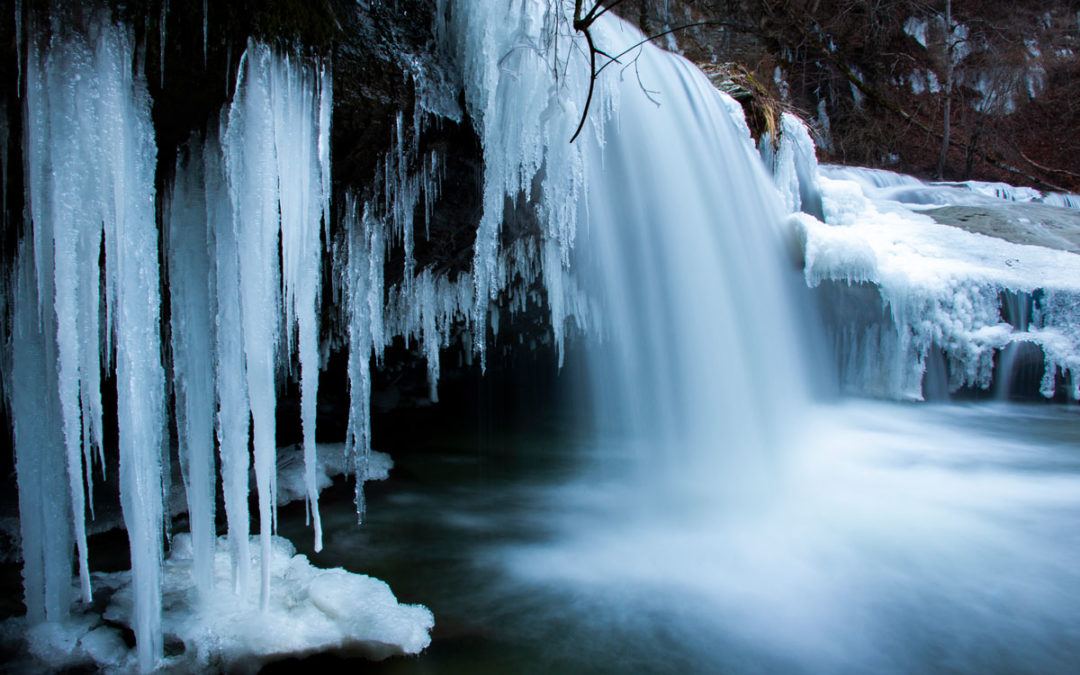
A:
246, 218
91, 158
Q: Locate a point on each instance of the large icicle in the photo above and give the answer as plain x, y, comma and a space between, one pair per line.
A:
192, 323
40, 463
276, 148
233, 409
361, 262
90, 160
297, 120
64, 140
253, 183
132, 278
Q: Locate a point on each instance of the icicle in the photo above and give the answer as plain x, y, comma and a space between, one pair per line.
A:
5, 137
161, 45
67, 184
300, 186
132, 278
429, 333
234, 412
90, 172
402, 193
361, 266
228, 66
192, 331
205, 31
515, 147
40, 462
253, 182
18, 45
326, 107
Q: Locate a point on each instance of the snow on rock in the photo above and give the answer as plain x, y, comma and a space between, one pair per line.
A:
309, 610
944, 288
1021, 223
331, 460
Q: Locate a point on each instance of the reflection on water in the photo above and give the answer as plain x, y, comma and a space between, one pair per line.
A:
901, 538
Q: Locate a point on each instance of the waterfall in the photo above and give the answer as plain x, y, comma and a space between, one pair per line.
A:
663, 214
682, 243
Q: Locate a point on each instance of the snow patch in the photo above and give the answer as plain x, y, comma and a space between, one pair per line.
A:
309, 610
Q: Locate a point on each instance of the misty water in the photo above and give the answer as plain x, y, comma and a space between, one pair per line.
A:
903, 538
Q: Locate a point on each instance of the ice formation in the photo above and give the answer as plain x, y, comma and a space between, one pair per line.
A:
240, 314
90, 157
189, 238
245, 216
258, 183
791, 156
525, 116
944, 291
309, 610
888, 186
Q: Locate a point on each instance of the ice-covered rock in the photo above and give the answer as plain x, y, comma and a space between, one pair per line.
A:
944, 288
332, 460
309, 610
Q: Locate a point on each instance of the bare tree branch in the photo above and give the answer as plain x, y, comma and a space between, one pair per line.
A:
584, 25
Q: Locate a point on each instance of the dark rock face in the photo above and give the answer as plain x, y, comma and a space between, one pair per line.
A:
386, 64
396, 89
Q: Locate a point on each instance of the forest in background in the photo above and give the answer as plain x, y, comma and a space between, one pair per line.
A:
889, 83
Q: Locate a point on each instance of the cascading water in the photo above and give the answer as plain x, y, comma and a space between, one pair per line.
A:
689, 364
680, 239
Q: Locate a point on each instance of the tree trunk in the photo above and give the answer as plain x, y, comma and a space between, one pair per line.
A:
947, 121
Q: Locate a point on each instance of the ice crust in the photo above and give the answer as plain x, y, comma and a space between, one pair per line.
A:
944, 289
309, 610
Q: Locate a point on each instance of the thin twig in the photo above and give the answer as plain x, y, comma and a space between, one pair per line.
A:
584, 25
592, 84
615, 59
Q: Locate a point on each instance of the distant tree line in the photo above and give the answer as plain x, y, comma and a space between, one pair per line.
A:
951, 89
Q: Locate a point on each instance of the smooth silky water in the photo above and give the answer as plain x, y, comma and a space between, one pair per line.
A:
908, 538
